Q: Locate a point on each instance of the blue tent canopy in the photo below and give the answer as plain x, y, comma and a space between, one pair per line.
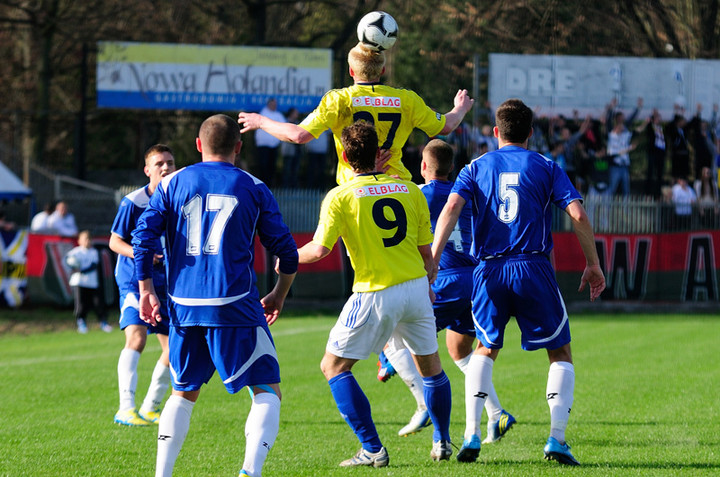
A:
11, 187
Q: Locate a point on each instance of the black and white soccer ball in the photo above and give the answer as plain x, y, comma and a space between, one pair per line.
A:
377, 31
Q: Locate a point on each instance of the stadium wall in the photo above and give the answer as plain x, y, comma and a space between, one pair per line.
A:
646, 268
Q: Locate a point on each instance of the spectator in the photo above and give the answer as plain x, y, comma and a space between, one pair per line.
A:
40, 223
656, 150
461, 142
707, 196
84, 261
317, 150
683, 198
267, 146
619, 147
702, 143
6, 224
676, 137
291, 154
62, 221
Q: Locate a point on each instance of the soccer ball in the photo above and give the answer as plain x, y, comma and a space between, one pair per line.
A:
377, 31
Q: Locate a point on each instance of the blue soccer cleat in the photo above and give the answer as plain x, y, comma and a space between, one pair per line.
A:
385, 369
559, 452
497, 429
470, 450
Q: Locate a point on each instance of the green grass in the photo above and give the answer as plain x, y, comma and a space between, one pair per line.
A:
646, 403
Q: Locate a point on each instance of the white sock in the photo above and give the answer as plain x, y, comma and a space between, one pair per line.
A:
462, 363
402, 361
172, 429
158, 387
127, 377
492, 405
478, 383
560, 390
261, 429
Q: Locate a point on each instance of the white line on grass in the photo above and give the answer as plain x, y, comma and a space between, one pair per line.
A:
83, 357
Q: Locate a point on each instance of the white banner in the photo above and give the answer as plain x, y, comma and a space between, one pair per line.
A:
564, 84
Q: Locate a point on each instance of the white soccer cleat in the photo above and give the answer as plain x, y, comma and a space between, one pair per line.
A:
418, 421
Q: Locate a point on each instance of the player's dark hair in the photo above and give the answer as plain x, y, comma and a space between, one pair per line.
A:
439, 157
360, 142
367, 64
514, 121
219, 134
157, 149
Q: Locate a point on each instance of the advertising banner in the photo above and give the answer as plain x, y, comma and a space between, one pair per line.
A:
217, 78
554, 84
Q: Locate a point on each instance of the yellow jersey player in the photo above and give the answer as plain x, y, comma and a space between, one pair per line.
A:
395, 112
385, 224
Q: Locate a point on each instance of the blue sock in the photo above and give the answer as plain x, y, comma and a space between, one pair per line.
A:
438, 398
355, 409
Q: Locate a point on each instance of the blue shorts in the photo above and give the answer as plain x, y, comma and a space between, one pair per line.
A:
130, 314
522, 286
453, 300
242, 355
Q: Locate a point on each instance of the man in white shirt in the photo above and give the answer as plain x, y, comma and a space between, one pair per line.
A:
63, 221
268, 145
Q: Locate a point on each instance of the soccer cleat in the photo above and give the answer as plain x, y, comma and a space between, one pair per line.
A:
441, 450
363, 457
418, 421
243, 472
385, 369
129, 417
497, 429
559, 452
105, 327
82, 326
470, 450
152, 416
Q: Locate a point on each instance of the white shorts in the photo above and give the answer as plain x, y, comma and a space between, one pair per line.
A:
370, 319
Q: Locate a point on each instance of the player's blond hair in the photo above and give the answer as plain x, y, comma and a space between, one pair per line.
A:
366, 63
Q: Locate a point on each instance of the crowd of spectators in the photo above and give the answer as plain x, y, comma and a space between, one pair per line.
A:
620, 153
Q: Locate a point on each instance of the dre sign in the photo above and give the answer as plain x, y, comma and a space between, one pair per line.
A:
541, 82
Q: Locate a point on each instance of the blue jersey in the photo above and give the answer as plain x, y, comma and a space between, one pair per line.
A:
456, 253
131, 207
209, 213
512, 190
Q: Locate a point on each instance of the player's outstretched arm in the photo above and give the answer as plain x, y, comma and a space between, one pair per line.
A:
149, 303
446, 223
312, 252
454, 117
287, 132
592, 275
273, 302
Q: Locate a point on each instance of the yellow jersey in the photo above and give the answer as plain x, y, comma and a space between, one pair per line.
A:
382, 221
395, 112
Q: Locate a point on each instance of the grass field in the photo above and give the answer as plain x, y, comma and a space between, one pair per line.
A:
646, 403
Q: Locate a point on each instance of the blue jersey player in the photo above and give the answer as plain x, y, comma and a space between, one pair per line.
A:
453, 286
511, 191
209, 213
159, 162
